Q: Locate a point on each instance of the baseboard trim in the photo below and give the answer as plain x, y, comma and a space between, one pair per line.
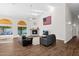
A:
66, 41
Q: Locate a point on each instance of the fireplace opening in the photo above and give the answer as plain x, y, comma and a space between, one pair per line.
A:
34, 32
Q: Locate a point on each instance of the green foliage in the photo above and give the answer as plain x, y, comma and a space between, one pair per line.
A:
5, 27
22, 28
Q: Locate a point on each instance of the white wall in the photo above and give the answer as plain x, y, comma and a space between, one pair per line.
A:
68, 26
75, 28
57, 26
71, 30
58, 22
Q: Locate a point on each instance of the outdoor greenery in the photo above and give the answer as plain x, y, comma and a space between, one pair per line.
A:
22, 30
5, 27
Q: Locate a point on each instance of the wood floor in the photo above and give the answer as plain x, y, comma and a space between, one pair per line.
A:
60, 49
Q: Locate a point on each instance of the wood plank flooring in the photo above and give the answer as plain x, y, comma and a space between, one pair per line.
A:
60, 49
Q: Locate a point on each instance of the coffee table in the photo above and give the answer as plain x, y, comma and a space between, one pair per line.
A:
36, 40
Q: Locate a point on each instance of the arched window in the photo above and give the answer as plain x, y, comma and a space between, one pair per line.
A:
22, 23
22, 28
5, 21
5, 27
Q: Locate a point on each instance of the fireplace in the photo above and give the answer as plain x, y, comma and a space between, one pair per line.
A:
34, 32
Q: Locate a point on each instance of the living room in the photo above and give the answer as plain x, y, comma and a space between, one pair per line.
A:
39, 29
26, 28
33, 22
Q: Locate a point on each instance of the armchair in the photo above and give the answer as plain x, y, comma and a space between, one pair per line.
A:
48, 40
26, 41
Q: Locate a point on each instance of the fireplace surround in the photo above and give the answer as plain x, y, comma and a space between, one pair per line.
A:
35, 32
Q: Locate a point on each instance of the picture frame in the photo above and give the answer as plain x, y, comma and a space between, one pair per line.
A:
47, 20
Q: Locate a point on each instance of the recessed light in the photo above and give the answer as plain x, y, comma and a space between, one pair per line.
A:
69, 22
35, 14
78, 16
74, 24
51, 8
37, 10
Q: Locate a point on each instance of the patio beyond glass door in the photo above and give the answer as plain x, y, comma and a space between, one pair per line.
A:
22, 30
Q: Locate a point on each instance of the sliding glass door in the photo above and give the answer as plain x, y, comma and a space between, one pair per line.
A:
5, 30
22, 30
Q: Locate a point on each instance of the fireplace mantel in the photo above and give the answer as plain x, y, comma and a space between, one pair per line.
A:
34, 31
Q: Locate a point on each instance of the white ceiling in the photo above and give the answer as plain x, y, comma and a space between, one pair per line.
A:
74, 7
23, 9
